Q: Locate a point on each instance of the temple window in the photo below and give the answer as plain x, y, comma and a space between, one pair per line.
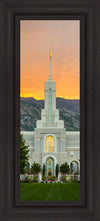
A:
50, 144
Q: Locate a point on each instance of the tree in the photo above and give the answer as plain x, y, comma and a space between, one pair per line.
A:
57, 169
64, 168
43, 170
28, 169
23, 155
35, 168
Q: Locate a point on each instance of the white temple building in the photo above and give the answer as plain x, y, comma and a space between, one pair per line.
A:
50, 143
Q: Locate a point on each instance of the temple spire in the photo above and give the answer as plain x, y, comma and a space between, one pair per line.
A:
50, 55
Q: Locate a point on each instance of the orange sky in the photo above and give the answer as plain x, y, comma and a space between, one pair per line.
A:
37, 38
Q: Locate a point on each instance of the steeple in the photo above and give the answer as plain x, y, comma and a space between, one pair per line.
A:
50, 77
50, 115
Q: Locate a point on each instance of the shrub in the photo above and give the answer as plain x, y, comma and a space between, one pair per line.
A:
43, 177
49, 177
75, 179
63, 178
35, 168
64, 168
52, 178
27, 180
35, 180
71, 180
28, 170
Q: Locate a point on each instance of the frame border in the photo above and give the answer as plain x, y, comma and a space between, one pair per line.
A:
9, 210
82, 120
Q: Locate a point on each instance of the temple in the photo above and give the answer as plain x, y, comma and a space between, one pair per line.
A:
50, 144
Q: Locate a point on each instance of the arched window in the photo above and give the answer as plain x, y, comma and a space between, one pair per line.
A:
50, 144
74, 167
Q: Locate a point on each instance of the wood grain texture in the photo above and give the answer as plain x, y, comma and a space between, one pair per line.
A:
10, 14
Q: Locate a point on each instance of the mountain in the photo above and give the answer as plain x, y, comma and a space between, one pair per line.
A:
30, 112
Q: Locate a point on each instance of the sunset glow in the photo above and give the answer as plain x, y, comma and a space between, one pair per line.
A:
37, 38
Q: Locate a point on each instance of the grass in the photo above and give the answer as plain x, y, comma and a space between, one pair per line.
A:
49, 191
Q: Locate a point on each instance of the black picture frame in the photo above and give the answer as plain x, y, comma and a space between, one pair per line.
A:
89, 14
50, 16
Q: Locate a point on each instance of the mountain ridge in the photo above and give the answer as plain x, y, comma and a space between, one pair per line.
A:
30, 112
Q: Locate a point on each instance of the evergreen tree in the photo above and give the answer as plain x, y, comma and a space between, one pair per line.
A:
43, 170
35, 168
57, 169
23, 155
64, 168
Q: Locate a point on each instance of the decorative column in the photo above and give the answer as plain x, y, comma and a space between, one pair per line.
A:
59, 176
40, 177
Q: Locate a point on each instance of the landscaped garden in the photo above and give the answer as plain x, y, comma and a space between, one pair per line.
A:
49, 191
36, 185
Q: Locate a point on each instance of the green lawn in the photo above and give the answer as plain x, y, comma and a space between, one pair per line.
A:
49, 191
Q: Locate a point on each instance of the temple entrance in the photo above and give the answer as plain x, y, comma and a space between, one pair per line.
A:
49, 166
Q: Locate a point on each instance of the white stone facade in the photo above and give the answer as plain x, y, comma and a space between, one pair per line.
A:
50, 143
65, 150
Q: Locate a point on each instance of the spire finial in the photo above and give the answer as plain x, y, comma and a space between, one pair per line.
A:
50, 55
